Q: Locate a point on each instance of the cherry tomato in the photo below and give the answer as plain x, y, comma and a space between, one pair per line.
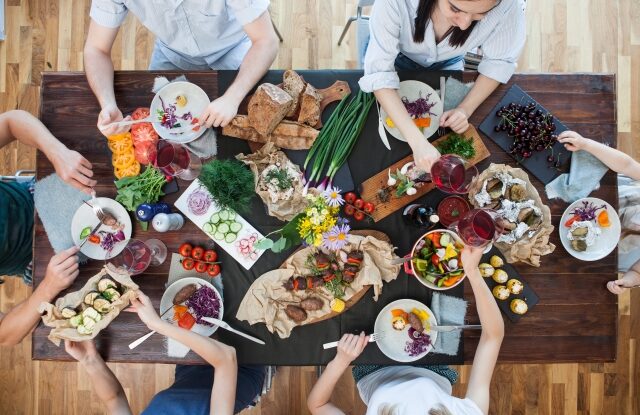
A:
197, 253
349, 210
213, 270
570, 221
185, 249
369, 207
358, 215
350, 197
210, 255
359, 203
201, 266
188, 263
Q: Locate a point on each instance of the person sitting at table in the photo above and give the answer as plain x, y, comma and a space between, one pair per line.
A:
435, 35
622, 164
195, 390
190, 35
396, 390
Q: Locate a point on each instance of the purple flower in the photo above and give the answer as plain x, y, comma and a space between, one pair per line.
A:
336, 238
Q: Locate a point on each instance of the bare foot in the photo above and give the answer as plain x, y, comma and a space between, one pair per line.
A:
629, 280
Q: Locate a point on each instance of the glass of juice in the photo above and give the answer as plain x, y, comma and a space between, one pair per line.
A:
175, 159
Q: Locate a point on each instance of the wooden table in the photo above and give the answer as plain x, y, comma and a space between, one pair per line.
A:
575, 320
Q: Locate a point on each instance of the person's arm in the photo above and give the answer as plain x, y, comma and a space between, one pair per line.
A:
99, 69
616, 160
27, 129
263, 51
488, 349
349, 348
218, 355
458, 118
104, 382
18, 323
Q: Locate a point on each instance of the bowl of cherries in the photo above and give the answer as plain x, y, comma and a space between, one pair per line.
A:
357, 207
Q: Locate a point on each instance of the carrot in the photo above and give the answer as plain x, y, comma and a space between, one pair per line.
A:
422, 122
570, 221
451, 280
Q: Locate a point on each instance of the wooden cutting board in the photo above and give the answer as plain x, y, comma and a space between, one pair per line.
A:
357, 296
370, 187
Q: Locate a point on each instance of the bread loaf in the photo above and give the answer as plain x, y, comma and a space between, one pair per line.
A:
294, 85
310, 106
267, 107
288, 134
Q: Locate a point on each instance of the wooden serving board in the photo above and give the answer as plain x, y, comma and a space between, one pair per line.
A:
357, 296
370, 187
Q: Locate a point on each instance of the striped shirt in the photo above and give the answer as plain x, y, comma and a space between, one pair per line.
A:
501, 33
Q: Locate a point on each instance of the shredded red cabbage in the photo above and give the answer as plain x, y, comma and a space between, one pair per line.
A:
587, 211
168, 118
109, 239
420, 108
204, 303
199, 202
418, 344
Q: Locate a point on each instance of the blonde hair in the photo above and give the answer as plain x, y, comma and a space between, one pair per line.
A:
387, 409
440, 410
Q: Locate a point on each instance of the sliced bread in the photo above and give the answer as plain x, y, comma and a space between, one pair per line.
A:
294, 85
267, 107
310, 106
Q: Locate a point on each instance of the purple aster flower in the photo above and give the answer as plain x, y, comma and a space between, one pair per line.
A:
336, 238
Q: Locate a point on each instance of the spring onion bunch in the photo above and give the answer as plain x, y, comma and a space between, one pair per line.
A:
336, 140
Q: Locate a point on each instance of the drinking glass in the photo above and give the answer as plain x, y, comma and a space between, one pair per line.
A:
175, 159
453, 174
476, 228
138, 255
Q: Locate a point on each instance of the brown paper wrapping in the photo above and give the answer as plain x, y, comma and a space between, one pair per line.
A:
60, 327
269, 155
259, 304
528, 249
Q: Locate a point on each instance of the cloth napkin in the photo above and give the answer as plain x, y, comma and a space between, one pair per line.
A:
206, 146
56, 203
449, 311
584, 176
454, 92
176, 272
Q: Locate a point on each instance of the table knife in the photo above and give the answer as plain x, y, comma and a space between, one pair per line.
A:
225, 326
451, 328
381, 131
91, 233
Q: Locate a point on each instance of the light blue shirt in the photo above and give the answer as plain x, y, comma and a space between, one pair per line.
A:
202, 32
501, 33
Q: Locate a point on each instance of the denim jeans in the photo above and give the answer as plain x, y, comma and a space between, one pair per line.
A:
403, 63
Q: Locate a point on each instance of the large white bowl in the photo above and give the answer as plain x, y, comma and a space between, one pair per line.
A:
422, 280
413, 90
197, 101
85, 216
606, 242
393, 342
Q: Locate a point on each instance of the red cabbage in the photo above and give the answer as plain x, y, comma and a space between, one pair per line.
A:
204, 303
418, 344
420, 108
588, 211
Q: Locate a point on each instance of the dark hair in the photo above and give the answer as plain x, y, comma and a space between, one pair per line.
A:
425, 8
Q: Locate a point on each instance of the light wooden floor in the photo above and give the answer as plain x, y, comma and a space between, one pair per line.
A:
563, 36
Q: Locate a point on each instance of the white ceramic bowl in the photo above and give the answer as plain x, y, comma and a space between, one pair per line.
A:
417, 275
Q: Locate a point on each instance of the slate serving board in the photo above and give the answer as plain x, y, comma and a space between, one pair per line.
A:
527, 294
537, 164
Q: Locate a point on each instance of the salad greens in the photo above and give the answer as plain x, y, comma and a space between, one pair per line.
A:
457, 144
143, 188
437, 259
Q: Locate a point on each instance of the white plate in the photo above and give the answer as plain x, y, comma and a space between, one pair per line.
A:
85, 216
394, 341
197, 101
413, 90
606, 242
167, 302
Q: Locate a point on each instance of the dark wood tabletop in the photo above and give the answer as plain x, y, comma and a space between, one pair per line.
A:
575, 320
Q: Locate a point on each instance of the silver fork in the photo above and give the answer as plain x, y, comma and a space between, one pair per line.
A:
372, 338
443, 81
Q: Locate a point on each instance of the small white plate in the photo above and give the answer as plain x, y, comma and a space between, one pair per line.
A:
392, 344
606, 242
167, 302
85, 217
412, 90
197, 101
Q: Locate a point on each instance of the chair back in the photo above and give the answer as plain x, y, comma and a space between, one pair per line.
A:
21, 176
365, 3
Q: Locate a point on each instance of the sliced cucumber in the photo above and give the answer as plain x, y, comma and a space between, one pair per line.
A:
215, 218
235, 227
223, 227
230, 237
231, 215
209, 228
224, 215
219, 236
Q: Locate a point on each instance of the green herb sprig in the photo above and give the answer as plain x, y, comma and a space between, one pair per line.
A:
457, 144
230, 183
282, 178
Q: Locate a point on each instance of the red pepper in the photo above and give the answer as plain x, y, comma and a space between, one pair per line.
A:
354, 261
329, 277
435, 259
295, 284
570, 221
186, 321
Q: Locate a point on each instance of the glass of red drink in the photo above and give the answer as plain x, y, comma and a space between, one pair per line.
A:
138, 255
175, 159
476, 228
452, 174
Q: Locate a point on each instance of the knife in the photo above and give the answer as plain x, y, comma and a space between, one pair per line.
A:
381, 131
91, 233
451, 328
225, 326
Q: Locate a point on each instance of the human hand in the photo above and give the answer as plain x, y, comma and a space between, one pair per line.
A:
424, 154
350, 347
147, 313
470, 257
109, 114
62, 270
81, 351
573, 141
457, 119
74, 169
219, 112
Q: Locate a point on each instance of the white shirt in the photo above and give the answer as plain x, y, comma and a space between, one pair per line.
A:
199, 31
501, 33
411, 391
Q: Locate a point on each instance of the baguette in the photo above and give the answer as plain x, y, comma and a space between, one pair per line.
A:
289, 135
